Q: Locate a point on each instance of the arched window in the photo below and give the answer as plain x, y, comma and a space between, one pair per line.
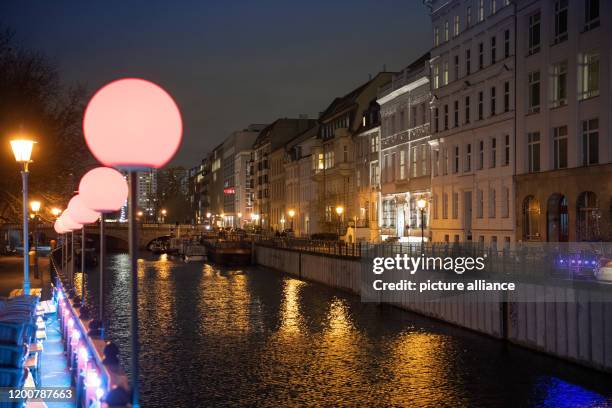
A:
557, 219
531, 219
587, 217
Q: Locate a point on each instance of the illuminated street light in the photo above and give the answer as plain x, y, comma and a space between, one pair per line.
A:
422, 205
56, 212
22, 149
291, 215
208, 215
35, 206
339, 210
143, 119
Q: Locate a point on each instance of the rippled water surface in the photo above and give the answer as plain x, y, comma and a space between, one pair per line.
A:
225, 337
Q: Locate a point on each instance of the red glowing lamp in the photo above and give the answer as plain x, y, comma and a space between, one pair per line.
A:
69, 222
103, 189
132, 124
80, 212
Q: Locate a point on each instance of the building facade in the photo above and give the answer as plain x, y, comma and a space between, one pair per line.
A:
473, 120
335, 155
564, 135
405, 153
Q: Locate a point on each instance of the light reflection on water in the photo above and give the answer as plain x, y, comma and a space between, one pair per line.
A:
222, 337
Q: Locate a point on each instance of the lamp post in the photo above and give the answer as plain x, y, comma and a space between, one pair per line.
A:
133, 113
103, 190
35, 207
22, 149
339, 211
291, 214
422, 205
164, 212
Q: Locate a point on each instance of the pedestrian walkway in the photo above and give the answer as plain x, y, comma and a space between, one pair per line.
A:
54, 366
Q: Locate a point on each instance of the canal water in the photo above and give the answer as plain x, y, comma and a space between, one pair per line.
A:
254, 337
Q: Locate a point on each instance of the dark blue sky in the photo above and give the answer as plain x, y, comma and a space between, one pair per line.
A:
227, 63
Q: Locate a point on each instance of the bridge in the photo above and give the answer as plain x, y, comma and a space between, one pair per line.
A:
116, 233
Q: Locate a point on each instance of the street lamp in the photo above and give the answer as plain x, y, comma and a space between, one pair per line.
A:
104, 190
339, 211
35, 207
133, 124
291, 215
22, 149
163, 213
56, 212
422, 204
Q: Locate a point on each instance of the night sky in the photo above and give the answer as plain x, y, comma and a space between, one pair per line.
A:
227, 63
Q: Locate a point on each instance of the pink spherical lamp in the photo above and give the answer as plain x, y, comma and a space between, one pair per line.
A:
103, 189
59, 227
132, 124
80, 212
69, 222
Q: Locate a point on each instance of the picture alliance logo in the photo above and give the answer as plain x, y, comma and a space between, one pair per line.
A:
403, 262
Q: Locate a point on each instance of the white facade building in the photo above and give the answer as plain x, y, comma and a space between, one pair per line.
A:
473, 120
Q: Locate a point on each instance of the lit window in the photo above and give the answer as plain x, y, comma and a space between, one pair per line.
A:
589, 75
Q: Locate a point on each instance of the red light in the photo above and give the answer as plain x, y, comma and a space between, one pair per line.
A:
80, 212
103, 189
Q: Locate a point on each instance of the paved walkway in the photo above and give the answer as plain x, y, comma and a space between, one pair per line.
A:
54, 367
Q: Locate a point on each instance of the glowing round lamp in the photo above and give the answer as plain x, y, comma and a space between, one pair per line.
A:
59, 227
80, 212
132, 124
103, 189
421, 203
69, 222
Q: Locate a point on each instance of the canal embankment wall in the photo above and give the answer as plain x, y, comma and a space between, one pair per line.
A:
569, 324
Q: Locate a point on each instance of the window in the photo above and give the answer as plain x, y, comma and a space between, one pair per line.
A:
493, 152
456, 114
531, 219
468, 65
590, 142
492, 202
534, 92
345, 157
467, 109
424, 170
434, 204
533, 151
480, 154
480, 56
493, 6
446, 30
559, 84
506, 150
445, 161
456, 26
588, 217
436, 162
506, 96
436, 76
436, 114
481, 12
589, 75
445, 117
468, 16
534, 33
480, 106
468, 158
506, 43
413, 161
445, 73
493, 50
456, 161
455, 205
506, 202
445, 205
560, 21
591, 14
560, 147
456, 77
479, 203
402, 164
436, 36
492, 101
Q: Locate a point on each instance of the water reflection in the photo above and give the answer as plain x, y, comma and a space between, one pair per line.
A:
226, 337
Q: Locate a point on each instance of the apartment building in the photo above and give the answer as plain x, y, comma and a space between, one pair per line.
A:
563, 108
473, 120
335, 155
300, 165
147, 194
405, 153
367, 175
270, 139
